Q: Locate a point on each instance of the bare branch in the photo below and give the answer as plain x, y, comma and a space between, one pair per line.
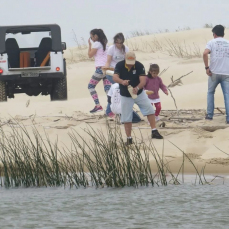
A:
173, 99
179, 79
175, 83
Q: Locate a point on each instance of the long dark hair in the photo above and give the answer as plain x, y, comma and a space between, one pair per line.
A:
152, 67
101, 37
120, 36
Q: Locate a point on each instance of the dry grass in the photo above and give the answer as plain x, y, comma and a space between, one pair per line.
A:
167, 46
208, 25
79, 52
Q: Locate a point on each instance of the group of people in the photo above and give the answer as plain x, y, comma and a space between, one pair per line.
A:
129, 71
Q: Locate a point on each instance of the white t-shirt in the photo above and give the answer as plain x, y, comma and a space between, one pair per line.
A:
219, 56
101, 55
117, 54
114, 93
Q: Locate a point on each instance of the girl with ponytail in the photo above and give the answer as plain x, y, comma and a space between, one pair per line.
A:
98, 50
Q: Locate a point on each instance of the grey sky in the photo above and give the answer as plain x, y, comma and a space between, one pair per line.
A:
114, 15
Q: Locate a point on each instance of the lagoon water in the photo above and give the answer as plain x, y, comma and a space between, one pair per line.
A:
180, 206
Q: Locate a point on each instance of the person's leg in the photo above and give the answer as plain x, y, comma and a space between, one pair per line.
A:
110, 78
127, 104
147, 110
213, 82
128, 127
136, 118
107, 86
108, 110
151, 119
158, 108
91, 87
225, 89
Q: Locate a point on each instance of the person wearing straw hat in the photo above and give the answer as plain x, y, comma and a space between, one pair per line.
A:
130, 74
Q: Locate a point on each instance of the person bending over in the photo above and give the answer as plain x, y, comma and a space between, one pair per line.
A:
132, 72
114, 98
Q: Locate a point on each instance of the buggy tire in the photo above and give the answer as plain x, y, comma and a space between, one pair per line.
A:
3, 92
59, 90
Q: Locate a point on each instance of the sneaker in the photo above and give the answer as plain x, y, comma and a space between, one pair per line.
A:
129, 141
157, 118
96, 109
111, 115
156, 134
208, 118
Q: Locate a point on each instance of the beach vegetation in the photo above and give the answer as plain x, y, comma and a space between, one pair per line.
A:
102, 161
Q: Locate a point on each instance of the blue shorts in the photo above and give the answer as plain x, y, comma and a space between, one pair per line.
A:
127, 104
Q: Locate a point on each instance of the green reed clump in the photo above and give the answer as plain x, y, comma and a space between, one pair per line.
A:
30, 160
110, 161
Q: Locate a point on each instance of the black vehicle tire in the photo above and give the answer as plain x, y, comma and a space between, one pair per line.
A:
3, 92
59, 89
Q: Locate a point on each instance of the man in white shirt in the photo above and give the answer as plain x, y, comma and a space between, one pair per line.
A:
218, 70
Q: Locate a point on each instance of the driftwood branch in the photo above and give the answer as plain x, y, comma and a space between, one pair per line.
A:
183, 118
207, 128
175, 83
173, 100
217, 108
185, 110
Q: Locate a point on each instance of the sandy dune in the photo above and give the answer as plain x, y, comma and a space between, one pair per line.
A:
58, 118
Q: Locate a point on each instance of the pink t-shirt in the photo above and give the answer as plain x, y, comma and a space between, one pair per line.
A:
101, 55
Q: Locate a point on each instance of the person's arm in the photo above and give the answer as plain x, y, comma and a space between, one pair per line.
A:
108, 63
141, 85
142, 79
91, 51
205, 58
146, 83
116, 77
163, 87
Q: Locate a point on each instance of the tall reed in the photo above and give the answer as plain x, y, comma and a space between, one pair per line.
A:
102, 161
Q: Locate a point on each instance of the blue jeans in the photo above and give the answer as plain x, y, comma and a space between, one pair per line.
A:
108, 110
110, 78
213, 82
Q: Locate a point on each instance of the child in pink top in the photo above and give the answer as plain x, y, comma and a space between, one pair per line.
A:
154, 83
99, 51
